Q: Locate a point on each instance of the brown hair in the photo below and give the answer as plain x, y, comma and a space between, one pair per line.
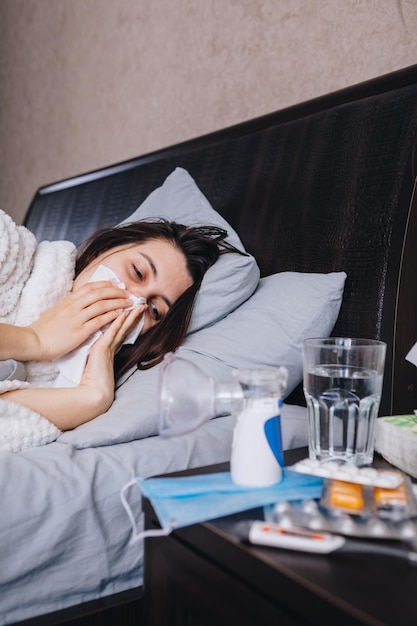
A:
201, 246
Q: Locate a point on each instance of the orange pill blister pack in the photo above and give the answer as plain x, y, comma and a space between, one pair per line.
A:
371, 511
356, 499
346, 496
357, 510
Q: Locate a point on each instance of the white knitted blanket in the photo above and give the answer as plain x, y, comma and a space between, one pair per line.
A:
32, 278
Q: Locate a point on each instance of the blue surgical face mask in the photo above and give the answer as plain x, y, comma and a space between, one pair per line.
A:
189, 500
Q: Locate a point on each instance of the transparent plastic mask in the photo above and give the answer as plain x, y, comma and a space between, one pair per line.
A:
188, 397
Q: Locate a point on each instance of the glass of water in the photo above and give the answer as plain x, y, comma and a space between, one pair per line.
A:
342, 386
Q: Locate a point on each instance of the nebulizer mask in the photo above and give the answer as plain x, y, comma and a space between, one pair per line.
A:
187, 399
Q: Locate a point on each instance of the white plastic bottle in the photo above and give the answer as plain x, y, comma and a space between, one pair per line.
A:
256, 448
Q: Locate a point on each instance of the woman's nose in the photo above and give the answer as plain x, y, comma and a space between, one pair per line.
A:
137, 300
137, 291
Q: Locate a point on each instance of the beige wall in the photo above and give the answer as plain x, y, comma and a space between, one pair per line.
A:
86, 83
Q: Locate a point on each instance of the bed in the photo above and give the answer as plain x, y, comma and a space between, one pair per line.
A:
321, 196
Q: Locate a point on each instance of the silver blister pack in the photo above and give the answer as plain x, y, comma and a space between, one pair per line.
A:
364, 511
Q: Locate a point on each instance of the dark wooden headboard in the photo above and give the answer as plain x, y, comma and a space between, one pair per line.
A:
322, 186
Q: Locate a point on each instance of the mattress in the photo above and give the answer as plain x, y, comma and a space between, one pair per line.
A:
64, 533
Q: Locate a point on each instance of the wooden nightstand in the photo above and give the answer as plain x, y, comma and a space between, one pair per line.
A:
203, 575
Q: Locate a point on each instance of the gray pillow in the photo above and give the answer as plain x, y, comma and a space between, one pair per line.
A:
234, 277
228, 283
267, 329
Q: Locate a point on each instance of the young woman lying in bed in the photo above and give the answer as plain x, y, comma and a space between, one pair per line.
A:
159, 267
238, 320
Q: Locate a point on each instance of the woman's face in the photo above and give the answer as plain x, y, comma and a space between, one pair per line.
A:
155, 270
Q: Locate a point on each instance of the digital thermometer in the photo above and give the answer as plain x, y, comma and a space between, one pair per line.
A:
303, 540
276, 536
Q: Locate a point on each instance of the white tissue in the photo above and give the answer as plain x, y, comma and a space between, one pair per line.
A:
412, 355
71, 366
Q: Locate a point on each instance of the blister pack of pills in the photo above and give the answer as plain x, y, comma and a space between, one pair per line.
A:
388, 479
355, 510
366, 501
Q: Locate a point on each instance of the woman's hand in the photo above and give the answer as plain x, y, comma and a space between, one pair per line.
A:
73, 319
99, 371
71, 406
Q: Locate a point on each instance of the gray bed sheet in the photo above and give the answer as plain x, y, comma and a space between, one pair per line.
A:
64, 534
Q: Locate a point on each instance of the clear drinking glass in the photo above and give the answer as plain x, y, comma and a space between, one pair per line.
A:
342, 386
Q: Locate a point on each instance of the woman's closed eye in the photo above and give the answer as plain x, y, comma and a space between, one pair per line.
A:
138, 272
155, 312
157, 309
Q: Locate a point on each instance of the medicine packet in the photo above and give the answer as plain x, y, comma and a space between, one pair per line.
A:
396, 441
389, 479
367, 501
357, 502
